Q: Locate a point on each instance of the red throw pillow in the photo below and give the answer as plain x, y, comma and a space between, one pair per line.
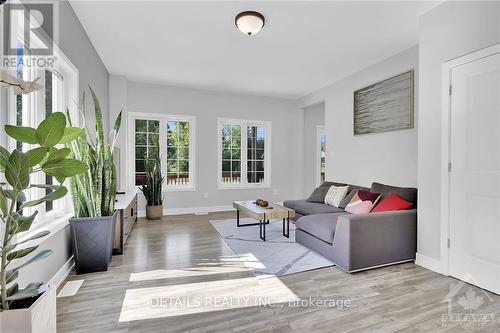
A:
392, 202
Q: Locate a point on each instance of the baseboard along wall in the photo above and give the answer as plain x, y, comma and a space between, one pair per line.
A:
429, 263
190, 210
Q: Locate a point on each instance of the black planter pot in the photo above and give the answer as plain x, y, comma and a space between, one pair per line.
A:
92, 240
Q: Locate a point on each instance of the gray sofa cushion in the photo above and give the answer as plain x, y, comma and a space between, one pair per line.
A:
318, 195
321, 226
304, 207
328, 184
407, 193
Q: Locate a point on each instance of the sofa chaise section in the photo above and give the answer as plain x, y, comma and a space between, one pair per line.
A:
363, 241
321, 226
304, 207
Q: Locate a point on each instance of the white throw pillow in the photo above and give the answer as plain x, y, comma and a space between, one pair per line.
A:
335, 194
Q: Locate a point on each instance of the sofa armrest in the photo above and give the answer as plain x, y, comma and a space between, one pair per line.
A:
373, 239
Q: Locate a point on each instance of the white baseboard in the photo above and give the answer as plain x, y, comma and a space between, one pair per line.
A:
429, 263
62, 274
190, 210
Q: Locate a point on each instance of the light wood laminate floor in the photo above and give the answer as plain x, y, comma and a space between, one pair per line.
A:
181, 253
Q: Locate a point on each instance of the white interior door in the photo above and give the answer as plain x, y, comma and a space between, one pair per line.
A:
475, 173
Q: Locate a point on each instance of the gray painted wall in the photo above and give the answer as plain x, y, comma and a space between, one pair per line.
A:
448, 31
314, 116
75, 44
117, 103
389, 157
207, 106
44, 270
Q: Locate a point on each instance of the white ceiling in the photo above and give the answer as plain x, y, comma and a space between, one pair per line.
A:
304, 46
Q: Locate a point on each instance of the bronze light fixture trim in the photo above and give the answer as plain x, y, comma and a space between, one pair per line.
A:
249, 22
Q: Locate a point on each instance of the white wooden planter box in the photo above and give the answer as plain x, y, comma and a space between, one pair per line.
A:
39, 318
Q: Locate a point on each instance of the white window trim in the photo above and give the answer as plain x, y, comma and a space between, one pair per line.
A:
58, 104
63, 208
244, 185
162, 118
320, 129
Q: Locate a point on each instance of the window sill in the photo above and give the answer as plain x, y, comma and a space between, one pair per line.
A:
243, 187
175, 189
53, 226
180, 189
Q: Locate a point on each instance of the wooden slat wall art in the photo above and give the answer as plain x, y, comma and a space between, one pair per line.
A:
385, 106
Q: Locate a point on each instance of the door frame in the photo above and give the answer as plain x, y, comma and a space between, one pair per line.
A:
319, 130
446, 145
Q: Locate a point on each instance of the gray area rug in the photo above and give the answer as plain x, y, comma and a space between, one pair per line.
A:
276, 256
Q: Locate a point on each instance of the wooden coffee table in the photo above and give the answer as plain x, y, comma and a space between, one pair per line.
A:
263, 215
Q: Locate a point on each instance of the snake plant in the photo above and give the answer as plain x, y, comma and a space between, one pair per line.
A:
94, 191
16, 168
154, 180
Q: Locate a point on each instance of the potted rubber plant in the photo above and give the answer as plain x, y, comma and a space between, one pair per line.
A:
32, 308
152, 188
93, 194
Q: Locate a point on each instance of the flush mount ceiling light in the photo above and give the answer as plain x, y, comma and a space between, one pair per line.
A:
249, 22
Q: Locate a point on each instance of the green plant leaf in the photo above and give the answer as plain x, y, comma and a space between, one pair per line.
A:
57, 194
68, 118
98, 118
41, 234
40, 255
11, 277
36, 155
93, 192
22, 223
45, 186
12, 289
31, 290
21, 253
4, 158
59, 154
116, 129
3, 203
70, 134
64, 168
17, 171
21, 197
23, 134
51, 130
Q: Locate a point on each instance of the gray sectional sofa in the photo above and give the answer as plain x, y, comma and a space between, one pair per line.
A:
358, 242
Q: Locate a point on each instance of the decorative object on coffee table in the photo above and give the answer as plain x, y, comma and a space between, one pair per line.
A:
264, 203
263, 215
